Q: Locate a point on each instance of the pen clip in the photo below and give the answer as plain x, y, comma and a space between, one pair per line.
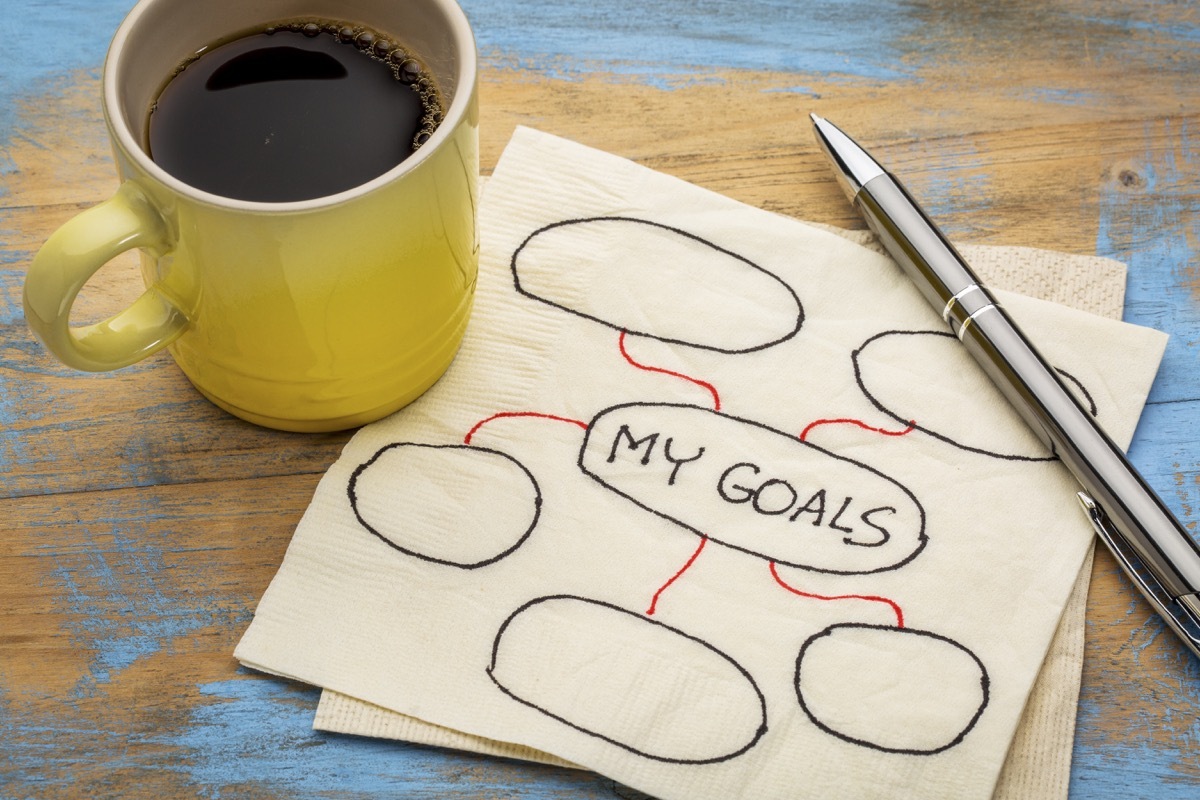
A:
1181, 614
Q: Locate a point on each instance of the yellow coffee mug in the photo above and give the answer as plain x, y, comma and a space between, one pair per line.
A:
308, 316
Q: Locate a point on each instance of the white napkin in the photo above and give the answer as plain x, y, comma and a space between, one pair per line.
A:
1038, 764
662, 518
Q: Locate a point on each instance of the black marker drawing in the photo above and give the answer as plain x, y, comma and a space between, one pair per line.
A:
1079, 390
923, 395
686, 279
614, 674
897, 690
790, 502
622, 677
394, 495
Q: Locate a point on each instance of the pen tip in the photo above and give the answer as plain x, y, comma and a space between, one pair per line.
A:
852, 165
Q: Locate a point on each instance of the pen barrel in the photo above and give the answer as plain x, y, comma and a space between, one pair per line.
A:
925, 255
1031, 386
1049, 408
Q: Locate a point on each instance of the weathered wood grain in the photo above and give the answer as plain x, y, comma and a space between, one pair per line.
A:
122, 608
139, 525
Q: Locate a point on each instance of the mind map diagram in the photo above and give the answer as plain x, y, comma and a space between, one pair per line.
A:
790, 504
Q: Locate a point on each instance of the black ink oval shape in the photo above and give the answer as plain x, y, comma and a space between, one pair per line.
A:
404, 494
753, 488
657, 281
939, 375
628, 680
898, 690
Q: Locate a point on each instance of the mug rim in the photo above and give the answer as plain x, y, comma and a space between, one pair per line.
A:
464, 40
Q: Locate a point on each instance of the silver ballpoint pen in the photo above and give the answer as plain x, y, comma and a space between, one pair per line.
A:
1148, 542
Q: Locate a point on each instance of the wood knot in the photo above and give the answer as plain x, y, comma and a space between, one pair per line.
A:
1130, 179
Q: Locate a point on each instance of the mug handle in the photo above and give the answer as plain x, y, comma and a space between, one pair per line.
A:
71, 256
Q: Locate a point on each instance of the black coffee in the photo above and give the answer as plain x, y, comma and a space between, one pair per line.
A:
292, 112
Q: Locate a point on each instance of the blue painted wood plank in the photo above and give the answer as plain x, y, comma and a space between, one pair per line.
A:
252, 737
137, 613
1150, 220
855, 39
44, 40
115, 590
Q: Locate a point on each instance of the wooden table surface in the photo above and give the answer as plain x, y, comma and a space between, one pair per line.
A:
139, 525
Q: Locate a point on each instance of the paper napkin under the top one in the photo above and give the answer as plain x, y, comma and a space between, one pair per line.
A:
710, 502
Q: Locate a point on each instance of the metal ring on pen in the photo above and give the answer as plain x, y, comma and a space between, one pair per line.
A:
967, 322
957, 299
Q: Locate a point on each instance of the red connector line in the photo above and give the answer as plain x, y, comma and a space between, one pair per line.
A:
703, 384
912, 425
675, 577
505, 414
869, 597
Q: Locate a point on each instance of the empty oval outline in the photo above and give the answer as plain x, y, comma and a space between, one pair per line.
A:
891, 689
628, 680
394, 496
945, 383
673, 284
